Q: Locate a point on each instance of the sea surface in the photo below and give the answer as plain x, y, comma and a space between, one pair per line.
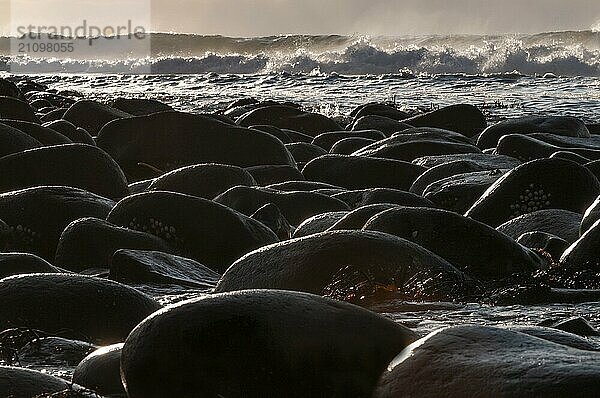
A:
506, 76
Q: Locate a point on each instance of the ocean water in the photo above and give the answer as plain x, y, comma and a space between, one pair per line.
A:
506, 76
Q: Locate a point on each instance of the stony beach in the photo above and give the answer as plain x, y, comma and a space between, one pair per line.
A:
261, 248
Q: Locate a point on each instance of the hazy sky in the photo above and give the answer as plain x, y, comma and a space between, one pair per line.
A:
265, 17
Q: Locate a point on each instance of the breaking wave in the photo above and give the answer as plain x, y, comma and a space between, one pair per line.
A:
557, 53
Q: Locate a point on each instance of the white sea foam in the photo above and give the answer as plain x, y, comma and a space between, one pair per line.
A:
558, 53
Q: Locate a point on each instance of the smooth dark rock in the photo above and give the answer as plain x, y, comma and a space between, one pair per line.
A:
348, 146
443, 171
303, 152
16, 109
398, 148
319, 223
287, 117
81, 307
591, 215
100, 371
72, 132
515, 365
313, 263
37, 216
260, 344
140, 266
482, 159
384, 124
471, 246
91, 243
459, 192
357, 218
140, 106
92, 115
13, 140
205, 231
295, 206
271, 216
527, 148
537, 185
359, 198
585, 252
27, 383
551, 244
290, 186
462, 118
360, 172
170, 140
328, 140
576, 325
562, 223
202, 180
558, 125
74, 165
24, 263
274, 174
45, 135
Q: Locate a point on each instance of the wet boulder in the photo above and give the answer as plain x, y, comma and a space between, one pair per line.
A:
357, 218
348, 146
260, 343
527, 148
364, 197
27, 383
592, 214
471, 246
384, 124
562, 223
459, 192
202, 180
360, 172
141, 266
551, 244
92, 115
274, 174
584, 253
288, 117
536, 185
380, 110
13, 140
328, 140
489, 161
91, 243
303, 152
147, 146
490, 362
208, 232
74, 165
319, 223
462, 118
72, 132
46, 136
37, 216
16, 109
295, 206
24, 263
445, 170
100, 371
96, 310
271, 216
408, 148
557, 125
140, 106
314, 263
